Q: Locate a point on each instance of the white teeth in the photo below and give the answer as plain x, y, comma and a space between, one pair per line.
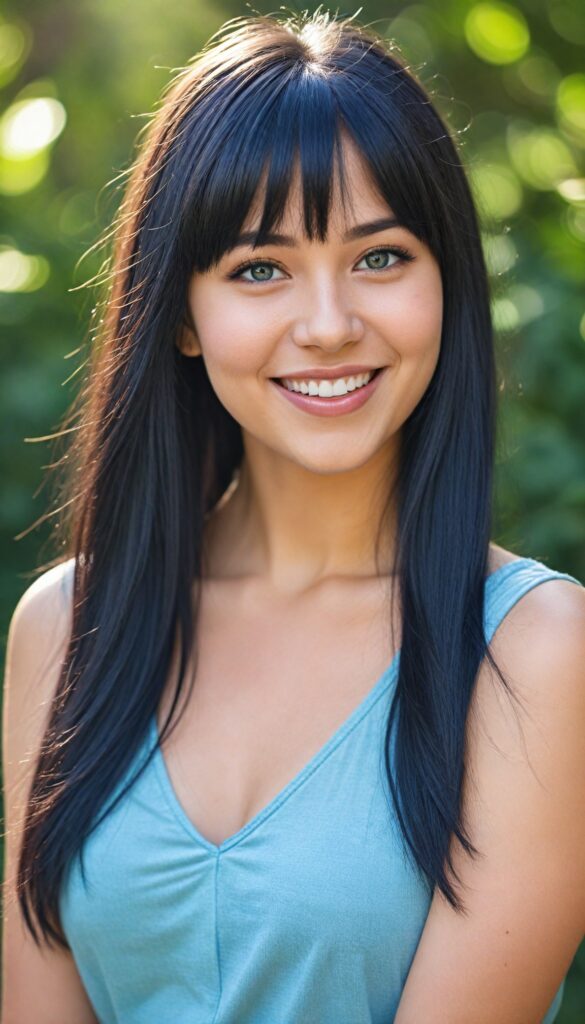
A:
328, 388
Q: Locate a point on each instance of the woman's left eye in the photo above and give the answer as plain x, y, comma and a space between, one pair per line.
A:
379, 257
403, 256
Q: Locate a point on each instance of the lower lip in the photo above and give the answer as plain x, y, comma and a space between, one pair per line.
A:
331, 406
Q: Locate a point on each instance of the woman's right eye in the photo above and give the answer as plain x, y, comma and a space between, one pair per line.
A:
253, 265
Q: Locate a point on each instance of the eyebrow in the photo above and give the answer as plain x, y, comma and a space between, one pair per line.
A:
357, 231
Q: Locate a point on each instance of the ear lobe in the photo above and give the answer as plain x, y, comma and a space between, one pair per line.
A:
187, 341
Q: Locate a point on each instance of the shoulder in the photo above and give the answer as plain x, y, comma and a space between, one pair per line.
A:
37, 636
37, 984
49, 593
46, 604
37, 641
544, 627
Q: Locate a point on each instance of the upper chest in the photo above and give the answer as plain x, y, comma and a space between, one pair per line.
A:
273, 683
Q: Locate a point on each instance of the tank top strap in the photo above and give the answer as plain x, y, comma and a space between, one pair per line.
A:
510, 582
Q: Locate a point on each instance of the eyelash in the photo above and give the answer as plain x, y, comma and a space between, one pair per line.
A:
395, 250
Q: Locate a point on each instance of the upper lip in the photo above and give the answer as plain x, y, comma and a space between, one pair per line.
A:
324, 373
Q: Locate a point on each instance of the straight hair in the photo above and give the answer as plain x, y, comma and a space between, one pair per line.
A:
152, 449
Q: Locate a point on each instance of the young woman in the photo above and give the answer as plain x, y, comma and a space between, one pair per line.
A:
279, 493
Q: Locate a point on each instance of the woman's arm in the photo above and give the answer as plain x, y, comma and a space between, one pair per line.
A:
40, 986
524, 808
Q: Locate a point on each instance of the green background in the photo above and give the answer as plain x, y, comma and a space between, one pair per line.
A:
77, 81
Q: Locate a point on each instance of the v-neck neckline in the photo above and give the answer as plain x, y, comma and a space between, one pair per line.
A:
388, 676
355, 716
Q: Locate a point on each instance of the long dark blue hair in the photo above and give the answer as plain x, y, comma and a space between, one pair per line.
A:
154, 450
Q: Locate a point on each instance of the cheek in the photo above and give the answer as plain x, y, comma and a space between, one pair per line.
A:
418, 317
233, 341
413, 325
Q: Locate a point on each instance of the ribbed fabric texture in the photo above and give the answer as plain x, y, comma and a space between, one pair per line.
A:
310, 914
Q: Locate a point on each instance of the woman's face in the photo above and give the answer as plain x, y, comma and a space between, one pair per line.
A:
302, 306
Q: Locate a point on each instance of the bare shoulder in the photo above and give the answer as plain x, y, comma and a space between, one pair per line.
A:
547, 621
37, 636
548, 616
37, 984
48, 598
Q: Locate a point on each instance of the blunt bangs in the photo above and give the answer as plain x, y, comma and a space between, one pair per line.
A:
294, 117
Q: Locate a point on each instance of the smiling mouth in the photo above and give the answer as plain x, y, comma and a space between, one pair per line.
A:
313, 383
320, 399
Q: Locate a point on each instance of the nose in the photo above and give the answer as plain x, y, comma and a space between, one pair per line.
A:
325, 319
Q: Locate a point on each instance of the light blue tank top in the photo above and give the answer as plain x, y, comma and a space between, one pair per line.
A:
310, 914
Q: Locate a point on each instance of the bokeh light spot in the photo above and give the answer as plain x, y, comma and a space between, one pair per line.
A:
528, 302
571, 104
566, 17
497, 32
498, 191
575, 221
14, 46
539, 75
505, 315
540, 156
21, 273
572, 189
500, 253
31, 125
19, 176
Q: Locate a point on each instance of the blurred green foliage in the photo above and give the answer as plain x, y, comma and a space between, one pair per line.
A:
77, 79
